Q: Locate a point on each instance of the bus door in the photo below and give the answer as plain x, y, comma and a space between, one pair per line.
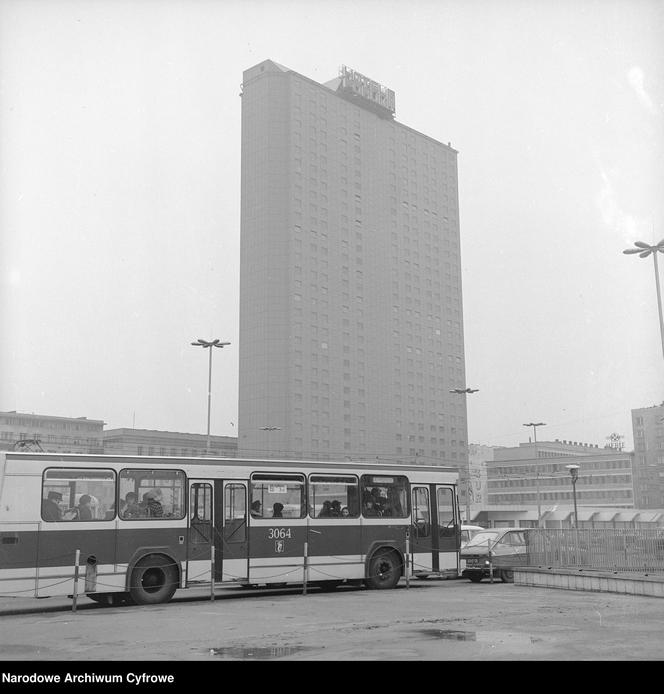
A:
232, 538
334, 546
201, 530
449, 528
277, 528
423, 533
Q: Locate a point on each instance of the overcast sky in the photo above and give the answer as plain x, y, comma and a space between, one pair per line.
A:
120, 196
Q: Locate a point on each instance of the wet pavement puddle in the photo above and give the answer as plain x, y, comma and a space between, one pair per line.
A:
494, 637
256, 653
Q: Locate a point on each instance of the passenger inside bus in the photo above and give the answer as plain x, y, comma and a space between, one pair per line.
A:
277, 510
345, 512
50, 508
335, 508
153, 506
131, 509
326, 511
84, 511
256, 509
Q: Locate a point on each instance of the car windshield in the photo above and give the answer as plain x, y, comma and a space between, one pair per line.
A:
483, 537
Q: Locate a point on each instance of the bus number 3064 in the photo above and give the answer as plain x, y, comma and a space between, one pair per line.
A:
278, 533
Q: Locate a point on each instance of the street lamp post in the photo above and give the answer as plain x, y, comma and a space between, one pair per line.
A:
534, 425
466, 391
205, 344
644, 250
574, 472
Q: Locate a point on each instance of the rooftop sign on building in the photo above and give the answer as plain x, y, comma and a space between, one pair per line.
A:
356, 85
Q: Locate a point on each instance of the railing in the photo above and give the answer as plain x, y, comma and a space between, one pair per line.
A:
591, 548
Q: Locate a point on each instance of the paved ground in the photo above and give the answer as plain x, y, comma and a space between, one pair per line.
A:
433, 620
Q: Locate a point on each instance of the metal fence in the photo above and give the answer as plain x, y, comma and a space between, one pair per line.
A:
591, 548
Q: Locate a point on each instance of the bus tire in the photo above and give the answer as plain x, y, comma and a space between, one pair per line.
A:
507, 576
475, 578
384, 570
154, 579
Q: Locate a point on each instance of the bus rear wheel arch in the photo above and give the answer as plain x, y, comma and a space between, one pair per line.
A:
154, 579
384, 569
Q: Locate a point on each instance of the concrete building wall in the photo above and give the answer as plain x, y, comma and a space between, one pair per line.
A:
648, 431
351, 310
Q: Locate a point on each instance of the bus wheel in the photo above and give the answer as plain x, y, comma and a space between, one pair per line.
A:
327, 586
153, 580
475, 578
384, 570
507, 576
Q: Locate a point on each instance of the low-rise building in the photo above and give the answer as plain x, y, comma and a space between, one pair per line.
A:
536, 474
167, 443
51, 434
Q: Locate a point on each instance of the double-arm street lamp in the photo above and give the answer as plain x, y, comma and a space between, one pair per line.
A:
466, 391
205, 344
644, 250
574, 472
534, 425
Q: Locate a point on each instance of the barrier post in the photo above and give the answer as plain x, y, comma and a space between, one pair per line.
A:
77, 563
304, 569
488, 542
407, 558
212, 572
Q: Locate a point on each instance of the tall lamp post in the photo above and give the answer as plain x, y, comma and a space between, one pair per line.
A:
466, 391
574, 472
644, 250
205, 344
534, 425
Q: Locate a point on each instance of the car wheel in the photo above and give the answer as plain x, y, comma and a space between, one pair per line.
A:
153, 580
384, 570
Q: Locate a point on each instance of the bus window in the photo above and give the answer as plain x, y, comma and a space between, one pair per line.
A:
421, 512
333, 496
200, 503
446, 519
152, 494
235, 510
278, 496
78, 495
384, 496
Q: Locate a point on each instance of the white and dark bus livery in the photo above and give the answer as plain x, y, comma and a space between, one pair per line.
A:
141, 527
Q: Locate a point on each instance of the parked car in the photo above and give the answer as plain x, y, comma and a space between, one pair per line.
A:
497, 548
468, 532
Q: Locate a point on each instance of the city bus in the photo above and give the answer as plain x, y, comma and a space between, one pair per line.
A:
134, 529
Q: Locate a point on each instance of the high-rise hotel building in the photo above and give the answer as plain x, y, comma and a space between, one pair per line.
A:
351, 325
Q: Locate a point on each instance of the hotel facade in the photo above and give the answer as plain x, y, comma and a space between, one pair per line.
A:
351, 323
